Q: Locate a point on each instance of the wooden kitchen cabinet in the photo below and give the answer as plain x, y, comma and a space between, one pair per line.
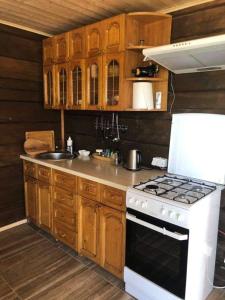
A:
44, 205
94, 39
94, 83
77, 86
48, 51
88, 228
61, 48
30, 190
61, 85
112, 240
77, 44
114, 34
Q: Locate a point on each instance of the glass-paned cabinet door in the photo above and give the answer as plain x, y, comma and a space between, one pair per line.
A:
77, 85
94, 86
113, 80
49, 95
62, 85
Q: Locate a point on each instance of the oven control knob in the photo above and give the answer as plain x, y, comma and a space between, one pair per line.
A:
131, 200
144, 204
137, 202
163, 211
179, 217
171, 214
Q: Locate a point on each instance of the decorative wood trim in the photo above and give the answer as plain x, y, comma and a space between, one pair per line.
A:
25, 28
13, 225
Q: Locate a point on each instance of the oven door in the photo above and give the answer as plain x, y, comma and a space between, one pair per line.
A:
157, 250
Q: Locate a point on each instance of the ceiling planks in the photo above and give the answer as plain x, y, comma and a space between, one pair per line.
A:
55, 16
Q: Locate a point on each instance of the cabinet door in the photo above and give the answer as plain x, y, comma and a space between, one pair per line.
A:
44, 205
112, 237
88, 228
114, 34
113, 81
94, 83
77, 84
30, 187
94, 39
49, 86
48, 51
77, 48
61, 47
61, 79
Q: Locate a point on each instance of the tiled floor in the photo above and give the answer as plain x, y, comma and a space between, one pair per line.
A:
34, 266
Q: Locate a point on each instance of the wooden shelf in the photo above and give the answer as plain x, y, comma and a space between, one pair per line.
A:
144, 17
144, 109
138, 47
151, 79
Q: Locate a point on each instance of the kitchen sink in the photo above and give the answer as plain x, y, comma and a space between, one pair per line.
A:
59, 155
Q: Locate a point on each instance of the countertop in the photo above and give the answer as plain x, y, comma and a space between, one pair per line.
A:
99, 171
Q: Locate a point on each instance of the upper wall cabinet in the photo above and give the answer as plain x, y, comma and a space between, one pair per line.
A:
48, 51
77, 43
92, 67
94, 39
114, 34
61, 48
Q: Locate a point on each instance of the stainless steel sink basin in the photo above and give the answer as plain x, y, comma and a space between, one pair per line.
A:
55, 155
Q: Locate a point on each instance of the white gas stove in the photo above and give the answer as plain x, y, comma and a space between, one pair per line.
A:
172, 220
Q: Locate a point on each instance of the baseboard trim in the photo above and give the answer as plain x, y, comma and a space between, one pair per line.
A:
13, 225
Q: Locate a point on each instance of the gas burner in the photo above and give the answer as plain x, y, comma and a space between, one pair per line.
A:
151, 187
197, 188
168, 181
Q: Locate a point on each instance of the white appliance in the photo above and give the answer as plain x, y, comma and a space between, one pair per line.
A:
200, 55
172, 220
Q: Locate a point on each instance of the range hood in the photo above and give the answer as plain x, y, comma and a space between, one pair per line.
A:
200, 55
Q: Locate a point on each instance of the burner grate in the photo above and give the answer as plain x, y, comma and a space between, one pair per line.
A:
176, 188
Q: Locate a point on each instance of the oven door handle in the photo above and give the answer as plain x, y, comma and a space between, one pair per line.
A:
175, 235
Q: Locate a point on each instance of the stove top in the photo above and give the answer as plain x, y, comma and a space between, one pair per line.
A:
176, 188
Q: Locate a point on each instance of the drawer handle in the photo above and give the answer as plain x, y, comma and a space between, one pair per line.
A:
62, 235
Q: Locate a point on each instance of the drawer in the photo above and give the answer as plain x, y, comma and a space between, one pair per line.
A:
88, 189
30, 169
64, 197
64, 180
113, 197
44, 174
65, 235
65, 216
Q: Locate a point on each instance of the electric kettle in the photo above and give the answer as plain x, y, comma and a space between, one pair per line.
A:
133, 161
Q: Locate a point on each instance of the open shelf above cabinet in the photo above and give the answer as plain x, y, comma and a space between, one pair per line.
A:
151, 79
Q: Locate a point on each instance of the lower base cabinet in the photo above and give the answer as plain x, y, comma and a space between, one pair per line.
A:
112, 237
30, 189
44, 205
88, 228
92, 222
101, 233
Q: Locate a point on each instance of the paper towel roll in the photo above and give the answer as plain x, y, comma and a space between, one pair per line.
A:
142, 95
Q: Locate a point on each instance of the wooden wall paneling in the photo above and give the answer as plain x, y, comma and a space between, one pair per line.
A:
21, 109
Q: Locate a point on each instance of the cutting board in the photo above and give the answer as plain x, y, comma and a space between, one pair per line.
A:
39, 142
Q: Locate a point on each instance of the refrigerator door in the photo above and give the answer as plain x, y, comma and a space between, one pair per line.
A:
197, 146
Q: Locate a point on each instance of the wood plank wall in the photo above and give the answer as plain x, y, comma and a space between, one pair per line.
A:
21, 109
150, 132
